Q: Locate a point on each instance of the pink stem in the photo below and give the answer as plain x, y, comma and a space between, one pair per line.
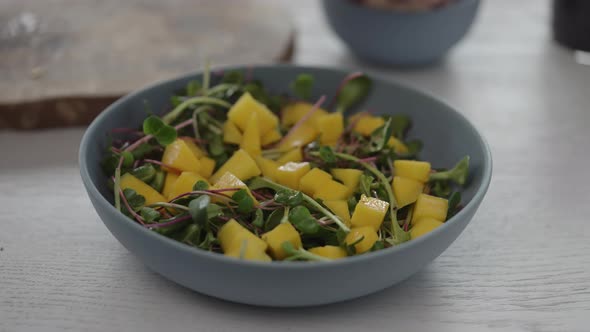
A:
301, 121
169, 223
148, 137
342, 84
368, 159
135, 215
215, 192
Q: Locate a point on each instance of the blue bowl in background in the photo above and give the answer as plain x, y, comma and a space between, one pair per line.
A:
447, 137
400, 38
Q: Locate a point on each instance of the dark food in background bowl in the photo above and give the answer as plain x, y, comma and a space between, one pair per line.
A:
393, 37
404, 5
447, 135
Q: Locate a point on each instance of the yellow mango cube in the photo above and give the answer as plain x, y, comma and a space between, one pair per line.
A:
240, 113
412, 169
207, 167
169, 184
369, 211
349, 176
268, 167
228, 181
197, 151
365, 124
294, 155
231, 133
179, 155
271, 137
251, 138
397, 145
231, 237
249, 252
330, 127
151, 195
366, 233
423, 226
291, 173
299, 137
240, 164
340, 209
332, 252
282, 233
406, 191
185, 183
332, 190
314, 179
292, 113
428, 206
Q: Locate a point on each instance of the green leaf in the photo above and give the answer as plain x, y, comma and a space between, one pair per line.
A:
175, 100
214, 210
233, 76
365, 183
400, 124
353, 91
109, 163
140, 151
149, 214
441, 189
352, 202
201, 185
458, 174
191, 235
454, 201
274, 219
289, 197
341, 237
327, 154
378, 246
258, 219
303, 221
158, 182
198, 209
208, 241
135, 200
380, 137
192, 88
215, 147
414, 147
244, 201
163, 133
302, 86
128, 158
145, 173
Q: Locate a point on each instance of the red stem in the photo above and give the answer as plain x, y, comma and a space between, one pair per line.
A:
135, 215
342, 84
169, 223
148, 137
301, 121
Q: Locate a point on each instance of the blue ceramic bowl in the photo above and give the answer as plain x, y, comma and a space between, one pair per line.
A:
447, 135
400, 38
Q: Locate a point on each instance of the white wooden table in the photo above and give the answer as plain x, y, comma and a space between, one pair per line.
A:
523, 264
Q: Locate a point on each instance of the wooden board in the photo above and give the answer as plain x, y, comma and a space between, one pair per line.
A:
63, 61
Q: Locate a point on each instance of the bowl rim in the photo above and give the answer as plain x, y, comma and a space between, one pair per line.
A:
455, 5
220, 258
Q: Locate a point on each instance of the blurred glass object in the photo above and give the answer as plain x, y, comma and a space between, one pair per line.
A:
571, 23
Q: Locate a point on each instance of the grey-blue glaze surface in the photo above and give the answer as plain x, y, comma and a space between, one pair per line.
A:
447, 135
398, 38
